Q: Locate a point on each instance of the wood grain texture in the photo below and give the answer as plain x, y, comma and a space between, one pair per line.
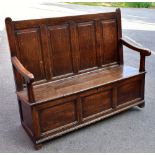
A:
119, 35
129, 91
74, 72
62, 47
143, 52
109, 34
61, 55
87, 50
57, 116
29, 44
79, 83
97, 102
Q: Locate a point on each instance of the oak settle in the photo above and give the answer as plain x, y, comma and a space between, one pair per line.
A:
69, 72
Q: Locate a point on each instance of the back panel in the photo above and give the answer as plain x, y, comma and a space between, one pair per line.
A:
60, 47
29, 51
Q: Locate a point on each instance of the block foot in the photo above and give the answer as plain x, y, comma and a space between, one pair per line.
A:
38, 146
142, 105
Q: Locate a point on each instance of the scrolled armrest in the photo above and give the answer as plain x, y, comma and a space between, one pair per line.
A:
29, 77
143, 51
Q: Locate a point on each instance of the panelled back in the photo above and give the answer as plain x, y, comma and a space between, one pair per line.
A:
65, 46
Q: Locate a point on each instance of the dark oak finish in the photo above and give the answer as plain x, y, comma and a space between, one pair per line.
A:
143, 53
69, 72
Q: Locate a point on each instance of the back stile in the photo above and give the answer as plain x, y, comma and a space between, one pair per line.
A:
98, 42
13, 51
119, 29
74, 47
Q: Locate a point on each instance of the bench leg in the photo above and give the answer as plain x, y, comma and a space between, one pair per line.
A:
142, 105
38, 146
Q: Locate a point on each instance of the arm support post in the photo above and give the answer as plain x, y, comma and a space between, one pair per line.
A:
143, 53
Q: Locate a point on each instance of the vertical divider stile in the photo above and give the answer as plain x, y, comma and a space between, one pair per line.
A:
46, 51
74, 46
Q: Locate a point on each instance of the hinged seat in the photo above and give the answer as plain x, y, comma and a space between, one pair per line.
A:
76, 84
69, 72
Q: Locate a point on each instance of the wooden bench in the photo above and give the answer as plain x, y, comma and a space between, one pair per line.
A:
69, 72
